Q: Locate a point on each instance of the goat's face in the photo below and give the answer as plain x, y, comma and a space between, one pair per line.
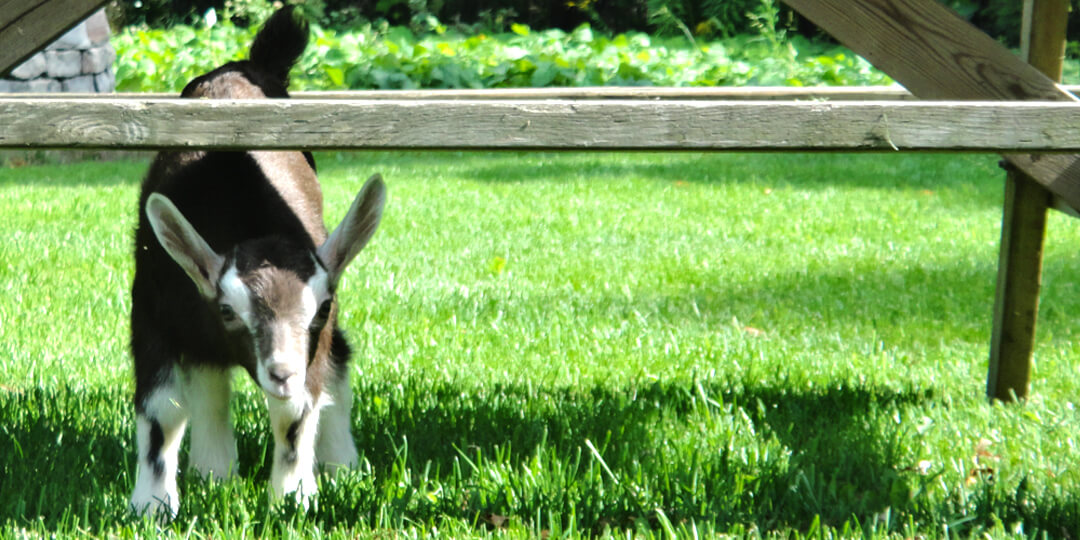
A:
275, 295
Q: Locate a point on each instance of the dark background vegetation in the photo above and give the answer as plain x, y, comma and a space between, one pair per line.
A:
707, 18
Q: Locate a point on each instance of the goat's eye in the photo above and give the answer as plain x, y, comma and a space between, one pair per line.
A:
228, 314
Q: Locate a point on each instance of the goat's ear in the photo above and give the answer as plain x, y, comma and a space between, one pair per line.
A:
355, 230
184, 244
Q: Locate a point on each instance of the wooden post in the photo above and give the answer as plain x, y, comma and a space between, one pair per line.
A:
1023, 227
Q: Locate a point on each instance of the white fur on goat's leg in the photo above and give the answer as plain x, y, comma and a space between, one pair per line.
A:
159, 430
294, 423
335, 447
213, 446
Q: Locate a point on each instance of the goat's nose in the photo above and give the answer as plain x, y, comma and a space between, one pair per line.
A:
280, 374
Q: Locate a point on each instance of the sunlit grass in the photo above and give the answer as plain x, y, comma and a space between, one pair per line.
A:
588, 344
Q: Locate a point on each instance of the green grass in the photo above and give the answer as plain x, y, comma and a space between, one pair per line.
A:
587, 344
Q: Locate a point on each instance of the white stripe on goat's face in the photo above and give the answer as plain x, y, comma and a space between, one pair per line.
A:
284, 315
235, 302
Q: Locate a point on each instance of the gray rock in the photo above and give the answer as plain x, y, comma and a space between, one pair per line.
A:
31, 68
63, 64
82, 83
15, 86
76, 38
97, 59
43, 85
105, 82
97, 28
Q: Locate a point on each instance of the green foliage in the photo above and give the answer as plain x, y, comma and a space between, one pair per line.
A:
388, 57
714, 18
706, 19
586, 345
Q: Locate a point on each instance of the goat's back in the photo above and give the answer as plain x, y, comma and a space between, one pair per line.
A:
230, 198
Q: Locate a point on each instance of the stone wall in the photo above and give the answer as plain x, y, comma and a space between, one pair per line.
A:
79, 61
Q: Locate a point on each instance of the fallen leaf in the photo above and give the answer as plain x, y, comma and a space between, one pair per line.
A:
496, 521
753, 332
982, 450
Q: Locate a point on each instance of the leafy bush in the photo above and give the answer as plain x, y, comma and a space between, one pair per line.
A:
393, 57
705, 18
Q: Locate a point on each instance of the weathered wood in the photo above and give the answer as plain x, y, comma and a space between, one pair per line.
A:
937, 55
1016, 303
27, 26
1023, 228
549, 124
1045, 42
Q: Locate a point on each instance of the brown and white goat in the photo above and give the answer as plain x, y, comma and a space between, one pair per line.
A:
234, 267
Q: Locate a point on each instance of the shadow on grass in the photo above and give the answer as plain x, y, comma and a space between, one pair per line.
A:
65, 457
963, 173
128, 171
847, 457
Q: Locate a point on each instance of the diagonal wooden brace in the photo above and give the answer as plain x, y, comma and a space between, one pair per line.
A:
931, 51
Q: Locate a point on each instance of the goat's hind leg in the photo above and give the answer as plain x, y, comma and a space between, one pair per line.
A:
160, 418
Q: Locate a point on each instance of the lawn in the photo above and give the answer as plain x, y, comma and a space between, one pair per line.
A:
769, 345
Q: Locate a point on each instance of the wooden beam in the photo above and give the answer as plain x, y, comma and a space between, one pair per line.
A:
549, 124
1016, 301
27, 26
935, 54
1023, 227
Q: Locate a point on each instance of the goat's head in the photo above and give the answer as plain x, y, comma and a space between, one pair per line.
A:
273, 293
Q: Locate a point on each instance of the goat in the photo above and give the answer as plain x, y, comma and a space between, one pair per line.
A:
234, 267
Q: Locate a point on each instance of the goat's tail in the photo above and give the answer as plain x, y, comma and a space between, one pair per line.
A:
280, 42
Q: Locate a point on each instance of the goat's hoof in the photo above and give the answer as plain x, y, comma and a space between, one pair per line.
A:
163, 508
300, 491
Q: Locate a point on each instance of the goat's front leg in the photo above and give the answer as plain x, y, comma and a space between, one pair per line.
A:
294, 423
160, 419
335, 447
213, 446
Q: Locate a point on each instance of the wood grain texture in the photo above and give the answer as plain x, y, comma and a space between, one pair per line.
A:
935, 54
1023, 228
929, 49
1045, 43
1016, 302
26, 26
549, 124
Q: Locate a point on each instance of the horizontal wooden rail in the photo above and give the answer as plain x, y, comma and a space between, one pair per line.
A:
733, 93
549, 124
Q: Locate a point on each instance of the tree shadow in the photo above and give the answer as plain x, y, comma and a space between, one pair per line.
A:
126, 171
922, 172
775, 170
846, 456
63, 456
65, 459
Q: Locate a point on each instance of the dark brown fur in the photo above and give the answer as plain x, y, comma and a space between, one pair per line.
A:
232, 201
